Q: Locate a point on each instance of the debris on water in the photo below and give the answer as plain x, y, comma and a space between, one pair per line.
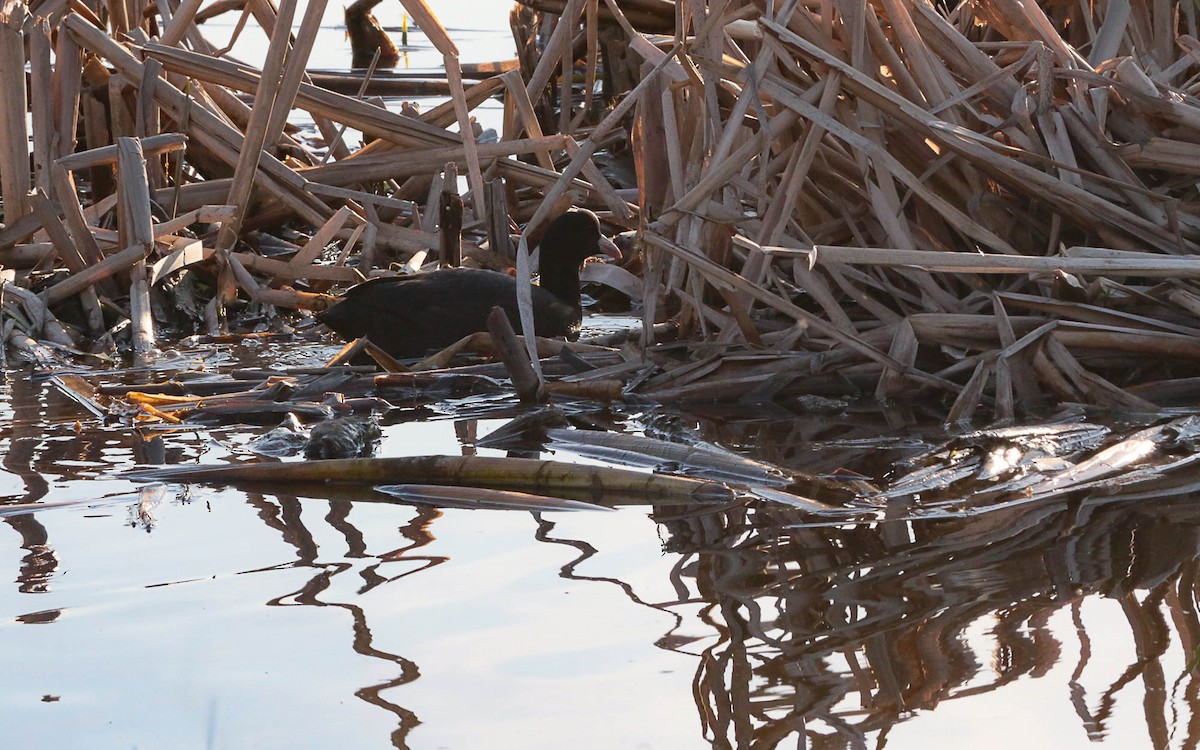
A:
588, 483
345, 437
525, 431
987, 455
993, 470
142, 513
707, 461
288, 439
800, 502
477, 498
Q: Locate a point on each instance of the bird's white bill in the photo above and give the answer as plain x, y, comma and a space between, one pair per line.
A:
609, 248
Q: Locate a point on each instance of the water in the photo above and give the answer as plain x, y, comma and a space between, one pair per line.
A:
158, 617
217, 618
222, 619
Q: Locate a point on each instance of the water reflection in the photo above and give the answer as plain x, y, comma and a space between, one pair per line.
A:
821, 636
837, 634
43, 441
24, 436
291, 527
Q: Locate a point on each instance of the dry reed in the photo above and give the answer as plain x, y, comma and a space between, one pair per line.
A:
989, 204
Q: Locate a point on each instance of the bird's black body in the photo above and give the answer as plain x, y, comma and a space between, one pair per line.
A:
409, 316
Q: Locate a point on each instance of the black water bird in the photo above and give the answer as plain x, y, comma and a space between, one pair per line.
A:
409, 316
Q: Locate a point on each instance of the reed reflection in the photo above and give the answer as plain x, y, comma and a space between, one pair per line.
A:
20, 446
834, 634
284, 514
45, 443
825, 635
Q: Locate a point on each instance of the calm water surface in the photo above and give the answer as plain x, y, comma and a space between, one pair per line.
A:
166, 616
214, 618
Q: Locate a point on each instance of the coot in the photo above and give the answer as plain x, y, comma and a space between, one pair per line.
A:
409, 316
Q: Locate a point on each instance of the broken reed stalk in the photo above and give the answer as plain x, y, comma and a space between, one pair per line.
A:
526, 381
450, 219
14, 157
525, 474
266, 99
136, 229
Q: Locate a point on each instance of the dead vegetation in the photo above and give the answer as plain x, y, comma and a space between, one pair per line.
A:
991, 205
956, 201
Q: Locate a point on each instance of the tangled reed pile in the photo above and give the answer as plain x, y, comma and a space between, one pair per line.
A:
991, 204
995, 202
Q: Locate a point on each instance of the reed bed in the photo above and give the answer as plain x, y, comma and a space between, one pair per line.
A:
991, 204
963, 201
